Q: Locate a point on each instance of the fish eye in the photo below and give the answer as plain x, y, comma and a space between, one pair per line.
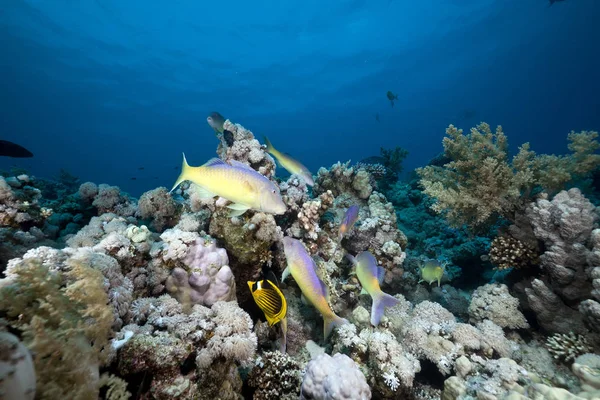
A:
273, 191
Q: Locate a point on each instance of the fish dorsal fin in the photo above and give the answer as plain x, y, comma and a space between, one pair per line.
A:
380, 274
239, 164
213, 162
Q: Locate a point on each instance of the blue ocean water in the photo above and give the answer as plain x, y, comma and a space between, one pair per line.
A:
103, 88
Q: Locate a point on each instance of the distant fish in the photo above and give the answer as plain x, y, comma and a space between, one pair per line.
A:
370, 276
156, 177
133, 179
272, 302
216, 121
554, 1
377, 117
432, 271
10, 149
302, 267
236, 182
141, 168
391, 97
291, 165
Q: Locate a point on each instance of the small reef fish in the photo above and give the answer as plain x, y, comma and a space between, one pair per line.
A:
302, 267
10, 149
238, 183
391, 97
432, 271
292, 166
216, 121
350, 218
554, 1
370, 276
272, 302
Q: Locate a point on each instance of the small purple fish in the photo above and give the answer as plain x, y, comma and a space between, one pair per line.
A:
348, 222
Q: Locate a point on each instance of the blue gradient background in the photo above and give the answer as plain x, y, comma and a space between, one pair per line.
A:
101, 88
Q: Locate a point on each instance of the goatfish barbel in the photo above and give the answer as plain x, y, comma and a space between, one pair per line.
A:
237, 182
302, 267
272, 302
370, 276
292, 166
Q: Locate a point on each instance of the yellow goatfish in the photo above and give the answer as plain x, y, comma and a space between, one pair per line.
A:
272, 302
292, 166
238, 183
302, 267
370, 276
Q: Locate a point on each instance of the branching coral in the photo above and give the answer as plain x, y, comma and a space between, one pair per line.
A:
341, 178
567, 347
481, 183
507, 252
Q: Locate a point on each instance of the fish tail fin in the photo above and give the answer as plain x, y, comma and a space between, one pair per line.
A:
330, 322
283, 343
270, 148
185, 172
380, 302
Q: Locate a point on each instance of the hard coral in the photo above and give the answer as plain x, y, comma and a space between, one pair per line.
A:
341, 178
494, 302
275, 376
206, 277
337, 377
158, 206
508, 252
567, 347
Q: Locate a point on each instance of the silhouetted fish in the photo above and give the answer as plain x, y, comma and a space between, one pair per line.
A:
228, 136
554, 1
141, 168
10, 149
133, 179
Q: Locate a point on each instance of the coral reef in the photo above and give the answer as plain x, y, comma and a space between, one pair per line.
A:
107, 296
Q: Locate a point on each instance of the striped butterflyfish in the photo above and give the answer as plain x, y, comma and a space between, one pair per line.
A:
270, 300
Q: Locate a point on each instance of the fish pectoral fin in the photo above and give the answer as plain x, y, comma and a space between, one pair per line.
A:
237, 209
380, 274
364, 291
204, 193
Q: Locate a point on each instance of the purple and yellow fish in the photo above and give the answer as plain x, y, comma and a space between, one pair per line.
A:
237, 182
350, 218
302, 267
370, 276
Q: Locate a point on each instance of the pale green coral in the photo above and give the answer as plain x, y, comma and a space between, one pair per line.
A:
64, 319
481, 183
